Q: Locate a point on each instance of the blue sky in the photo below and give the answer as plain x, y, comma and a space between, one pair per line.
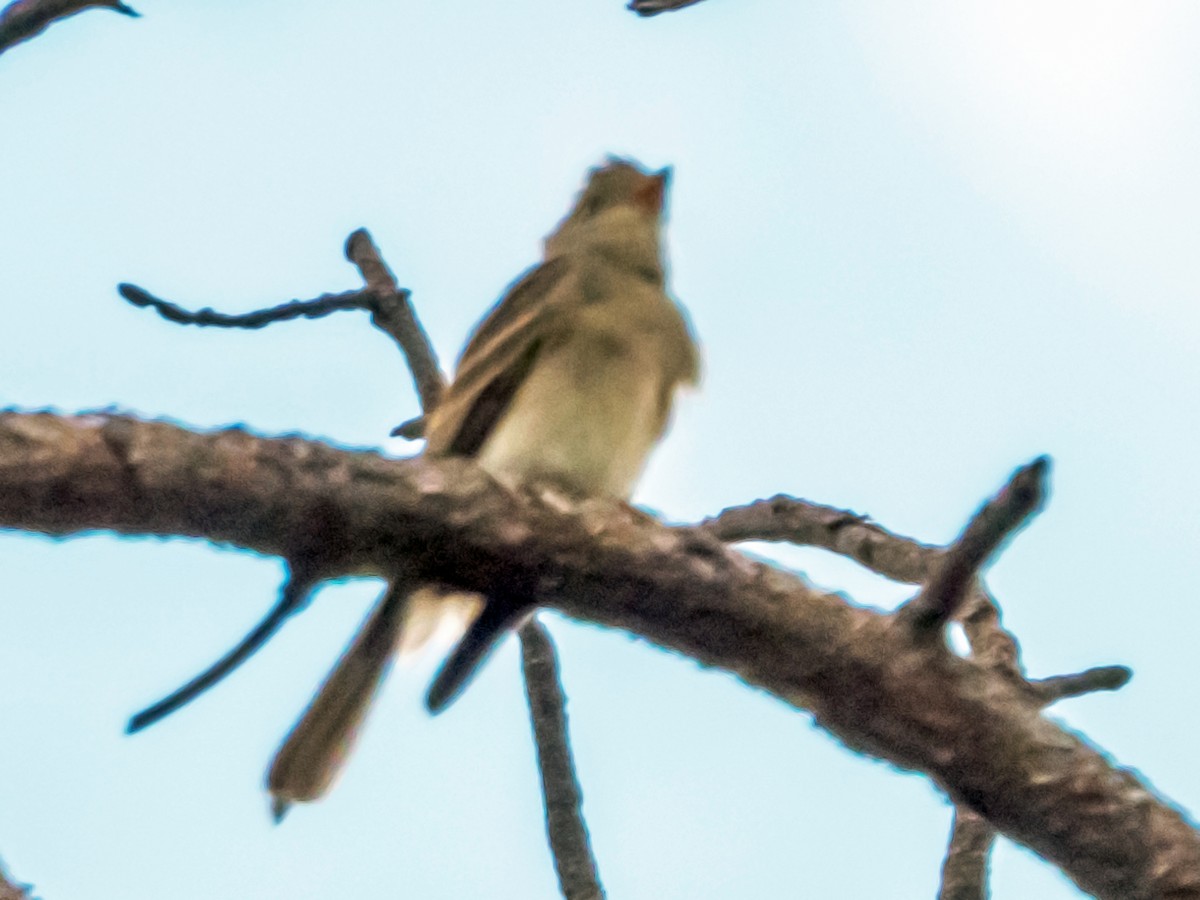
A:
920, 245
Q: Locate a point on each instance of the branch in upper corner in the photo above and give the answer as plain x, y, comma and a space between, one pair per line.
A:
565, 826
996, 521
393, 313
646, 8
26, 19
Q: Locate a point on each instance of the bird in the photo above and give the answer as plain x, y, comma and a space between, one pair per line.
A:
569, 380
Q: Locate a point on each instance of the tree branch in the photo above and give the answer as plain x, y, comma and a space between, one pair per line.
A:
292, 598
965, 870
388, 303
565, 826
790, 520
950, 582
25, 19
393, 313
647, 8
864, 675
783, 518
259, 318
1101, 678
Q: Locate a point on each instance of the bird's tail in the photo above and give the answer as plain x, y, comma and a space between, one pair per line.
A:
316, 748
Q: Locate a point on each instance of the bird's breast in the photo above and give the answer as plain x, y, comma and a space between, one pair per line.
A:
587, 414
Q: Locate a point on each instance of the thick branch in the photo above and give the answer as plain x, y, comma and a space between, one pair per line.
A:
24, 19
865, 677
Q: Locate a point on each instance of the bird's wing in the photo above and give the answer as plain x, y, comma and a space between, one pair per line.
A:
496, 360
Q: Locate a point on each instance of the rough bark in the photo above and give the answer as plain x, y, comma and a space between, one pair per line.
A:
878, 684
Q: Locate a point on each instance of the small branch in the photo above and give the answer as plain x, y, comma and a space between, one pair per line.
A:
647, 8
1101, 678
388, 304
25, 19
965, 869
791, 520
293, 309
294, 593
565, 826
393, 313
950, 583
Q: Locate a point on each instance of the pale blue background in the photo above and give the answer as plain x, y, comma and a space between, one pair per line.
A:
922, 243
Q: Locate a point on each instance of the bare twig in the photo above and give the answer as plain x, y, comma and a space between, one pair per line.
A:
565, 826
951, 580
393, 313
260, 318
388, 304
1101, 678
654, 7
965, 869
24, 19
789, 519
292, 597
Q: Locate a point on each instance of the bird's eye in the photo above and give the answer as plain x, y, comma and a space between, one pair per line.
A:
592, 205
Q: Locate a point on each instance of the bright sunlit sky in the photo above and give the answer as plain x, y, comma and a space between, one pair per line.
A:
921, 244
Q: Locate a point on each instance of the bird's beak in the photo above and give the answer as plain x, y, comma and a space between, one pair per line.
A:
652, 195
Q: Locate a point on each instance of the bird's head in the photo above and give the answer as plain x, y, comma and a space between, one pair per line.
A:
620, 209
